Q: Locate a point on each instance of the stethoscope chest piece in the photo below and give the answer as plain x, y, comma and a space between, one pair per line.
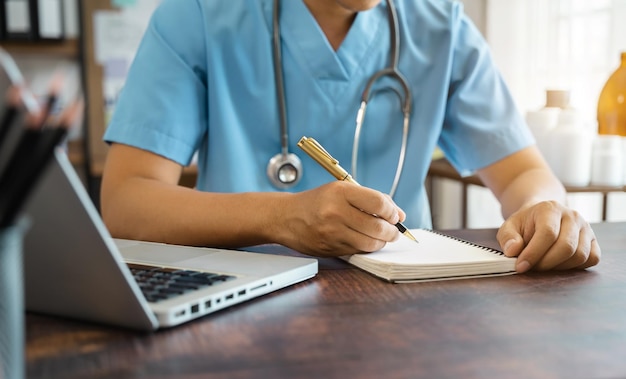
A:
284, 170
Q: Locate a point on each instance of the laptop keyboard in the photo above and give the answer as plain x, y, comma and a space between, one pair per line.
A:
161, 283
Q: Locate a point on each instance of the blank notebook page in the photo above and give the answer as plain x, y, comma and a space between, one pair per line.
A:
435, 256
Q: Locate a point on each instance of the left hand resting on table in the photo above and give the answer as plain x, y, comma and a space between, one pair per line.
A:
549, 236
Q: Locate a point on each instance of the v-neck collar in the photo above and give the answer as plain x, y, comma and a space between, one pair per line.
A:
301, 32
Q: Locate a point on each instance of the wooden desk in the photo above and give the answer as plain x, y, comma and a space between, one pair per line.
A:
345, 323
441, 168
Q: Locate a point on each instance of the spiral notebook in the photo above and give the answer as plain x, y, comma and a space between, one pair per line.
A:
436, 257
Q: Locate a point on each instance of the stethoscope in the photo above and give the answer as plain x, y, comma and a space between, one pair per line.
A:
285, 169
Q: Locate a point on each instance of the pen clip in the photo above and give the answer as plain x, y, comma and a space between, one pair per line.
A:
321, 149
321, 156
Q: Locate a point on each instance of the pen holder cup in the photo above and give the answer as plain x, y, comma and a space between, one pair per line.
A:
12, 333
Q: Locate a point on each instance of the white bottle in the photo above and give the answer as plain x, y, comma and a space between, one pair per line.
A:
606, 169
540, 123
571, 144
543, 120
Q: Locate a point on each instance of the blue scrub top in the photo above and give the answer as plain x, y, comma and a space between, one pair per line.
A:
203, 80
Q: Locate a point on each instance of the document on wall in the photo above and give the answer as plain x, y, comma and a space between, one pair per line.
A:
117, 35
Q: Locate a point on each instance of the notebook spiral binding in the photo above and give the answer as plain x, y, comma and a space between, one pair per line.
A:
486, 248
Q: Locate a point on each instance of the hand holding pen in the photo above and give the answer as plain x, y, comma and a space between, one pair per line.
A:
321, 156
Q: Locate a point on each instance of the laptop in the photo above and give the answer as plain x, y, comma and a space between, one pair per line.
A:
74, 268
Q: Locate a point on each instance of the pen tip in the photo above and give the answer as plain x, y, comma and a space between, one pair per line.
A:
410, 236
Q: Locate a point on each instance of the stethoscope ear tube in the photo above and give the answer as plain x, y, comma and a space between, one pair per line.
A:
406, 102
285, 169
403, 146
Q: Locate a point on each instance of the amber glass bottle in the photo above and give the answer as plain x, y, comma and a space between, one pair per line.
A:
612, 103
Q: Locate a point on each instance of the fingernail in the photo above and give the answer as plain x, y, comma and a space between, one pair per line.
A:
522, 266
507, 245
395, 219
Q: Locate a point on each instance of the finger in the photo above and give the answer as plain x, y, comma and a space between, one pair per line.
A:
594, 255
547, 230
401, 213
373, 231
337, 228
510, 239
566, 241
374, 203
325, 238
568, 261
586, 253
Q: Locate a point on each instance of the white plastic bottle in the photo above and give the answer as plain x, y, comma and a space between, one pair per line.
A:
543, 120
571, 145
606, 169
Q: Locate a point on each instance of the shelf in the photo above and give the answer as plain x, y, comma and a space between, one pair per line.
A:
441, 168
75, 152
65, 49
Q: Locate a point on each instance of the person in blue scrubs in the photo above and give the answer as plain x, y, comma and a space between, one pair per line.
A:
203, 85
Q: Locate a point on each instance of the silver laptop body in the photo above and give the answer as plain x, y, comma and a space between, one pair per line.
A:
74, 268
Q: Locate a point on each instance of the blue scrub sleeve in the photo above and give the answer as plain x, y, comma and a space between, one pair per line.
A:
482, 123
162, 107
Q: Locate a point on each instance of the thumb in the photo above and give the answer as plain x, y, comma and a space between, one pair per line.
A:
512, 244
510, 240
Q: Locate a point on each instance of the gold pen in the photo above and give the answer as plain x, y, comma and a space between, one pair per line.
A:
321, 156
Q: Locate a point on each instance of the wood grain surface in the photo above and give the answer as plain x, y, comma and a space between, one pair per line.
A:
346, 323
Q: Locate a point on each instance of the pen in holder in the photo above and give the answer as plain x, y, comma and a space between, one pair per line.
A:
12, 334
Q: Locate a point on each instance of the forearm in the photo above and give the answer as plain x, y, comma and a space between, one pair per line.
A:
522, 179
146, 209
140, 199
540, 230
531, 187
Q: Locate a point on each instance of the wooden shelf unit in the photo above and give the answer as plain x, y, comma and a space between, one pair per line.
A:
441, 168
68, 48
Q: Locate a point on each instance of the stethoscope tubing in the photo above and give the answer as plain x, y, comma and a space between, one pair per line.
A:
406, 103
278, 75
278, 162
